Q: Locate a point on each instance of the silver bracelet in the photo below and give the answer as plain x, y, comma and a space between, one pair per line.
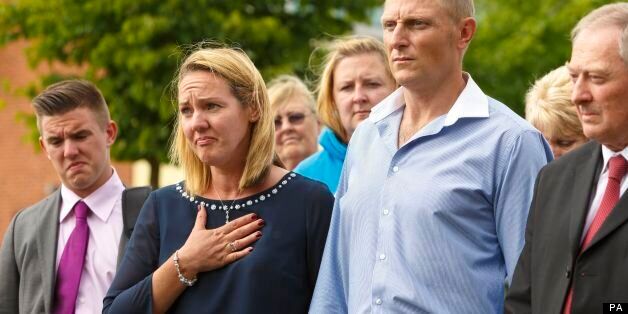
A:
185, 281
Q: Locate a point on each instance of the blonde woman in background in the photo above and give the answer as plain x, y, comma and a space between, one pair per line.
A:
549, 109
296, 124
239, 235
355, 77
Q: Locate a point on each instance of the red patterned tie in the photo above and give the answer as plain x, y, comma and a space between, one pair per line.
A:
71, 263
617, 167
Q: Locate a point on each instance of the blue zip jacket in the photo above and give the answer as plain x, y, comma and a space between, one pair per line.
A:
325, 166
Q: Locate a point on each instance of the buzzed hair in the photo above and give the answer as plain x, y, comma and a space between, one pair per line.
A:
459, 9
65, 96
610, 15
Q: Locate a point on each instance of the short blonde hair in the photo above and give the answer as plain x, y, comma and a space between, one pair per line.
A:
549, 106
459, 9
247, 85
610, 15
337, 50
286, 87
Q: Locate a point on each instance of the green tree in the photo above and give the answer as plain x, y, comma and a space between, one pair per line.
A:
519, 41
131, 49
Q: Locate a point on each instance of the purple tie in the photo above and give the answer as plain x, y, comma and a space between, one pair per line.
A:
71, 263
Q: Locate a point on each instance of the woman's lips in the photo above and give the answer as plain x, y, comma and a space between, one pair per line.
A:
290, 140
204, 141
362, 113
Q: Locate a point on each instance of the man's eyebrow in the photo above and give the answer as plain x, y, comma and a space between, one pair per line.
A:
81, 132
388, 18
405, 19
49, 138
591, 68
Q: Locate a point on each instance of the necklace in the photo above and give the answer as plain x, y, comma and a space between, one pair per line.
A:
225, 208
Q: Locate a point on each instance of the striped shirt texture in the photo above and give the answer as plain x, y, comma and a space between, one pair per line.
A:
437, 225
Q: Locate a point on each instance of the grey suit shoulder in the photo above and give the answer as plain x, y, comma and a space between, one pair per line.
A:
29, 249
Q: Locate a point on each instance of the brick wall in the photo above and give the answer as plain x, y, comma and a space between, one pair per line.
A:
26, 174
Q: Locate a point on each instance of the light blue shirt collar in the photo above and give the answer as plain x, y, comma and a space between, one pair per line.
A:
472, 103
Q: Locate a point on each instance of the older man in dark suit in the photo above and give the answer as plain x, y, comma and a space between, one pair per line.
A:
60, 255
576, 252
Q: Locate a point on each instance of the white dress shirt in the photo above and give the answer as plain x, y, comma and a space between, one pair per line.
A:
105, 230
601, 186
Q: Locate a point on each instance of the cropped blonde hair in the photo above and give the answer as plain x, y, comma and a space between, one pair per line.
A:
247, 85
286, 87
549, 106
337, 50
459, 9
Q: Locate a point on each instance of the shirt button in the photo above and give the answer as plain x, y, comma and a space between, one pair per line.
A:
395, 169
378, 301
385, 212
382, 257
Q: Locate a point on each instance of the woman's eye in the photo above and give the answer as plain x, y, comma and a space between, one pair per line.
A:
346, 87
185, 110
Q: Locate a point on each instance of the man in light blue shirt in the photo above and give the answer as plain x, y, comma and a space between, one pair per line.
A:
433, 200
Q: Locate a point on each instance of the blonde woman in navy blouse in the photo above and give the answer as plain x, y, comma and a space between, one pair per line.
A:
239, 235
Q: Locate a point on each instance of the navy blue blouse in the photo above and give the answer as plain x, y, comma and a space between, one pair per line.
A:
278, 276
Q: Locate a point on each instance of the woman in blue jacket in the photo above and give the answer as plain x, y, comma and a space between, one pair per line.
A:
355, 77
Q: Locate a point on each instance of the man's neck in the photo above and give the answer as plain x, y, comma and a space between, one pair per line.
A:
83, 193
616, 147
426, 103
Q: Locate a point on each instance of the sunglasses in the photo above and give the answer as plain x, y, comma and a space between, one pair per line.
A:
295, 118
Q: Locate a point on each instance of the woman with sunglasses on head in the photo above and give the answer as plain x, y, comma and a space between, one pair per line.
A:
355, 77
239, 235
296, 124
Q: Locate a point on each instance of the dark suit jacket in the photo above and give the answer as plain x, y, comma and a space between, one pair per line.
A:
550, 261
28, 256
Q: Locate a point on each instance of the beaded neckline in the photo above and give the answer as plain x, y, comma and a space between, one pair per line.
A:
250, 201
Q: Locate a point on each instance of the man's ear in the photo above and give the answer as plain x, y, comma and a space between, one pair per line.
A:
43, 147
467, 28
112, 132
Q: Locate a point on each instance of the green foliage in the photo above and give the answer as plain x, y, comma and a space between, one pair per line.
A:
32, 136
519, 41
5, 87
130, 48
